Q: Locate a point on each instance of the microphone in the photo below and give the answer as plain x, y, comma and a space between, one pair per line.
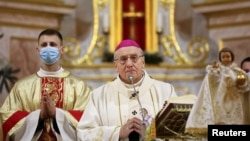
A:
131, 78
134, 136
135, 94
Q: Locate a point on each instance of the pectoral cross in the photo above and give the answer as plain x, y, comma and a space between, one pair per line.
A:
132, 14
134, 112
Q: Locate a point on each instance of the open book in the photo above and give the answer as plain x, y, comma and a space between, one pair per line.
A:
171, 120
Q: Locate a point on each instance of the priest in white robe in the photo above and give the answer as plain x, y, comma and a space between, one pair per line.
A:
244, 88
116, 109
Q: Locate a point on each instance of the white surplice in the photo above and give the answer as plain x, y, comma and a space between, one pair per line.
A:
111, 105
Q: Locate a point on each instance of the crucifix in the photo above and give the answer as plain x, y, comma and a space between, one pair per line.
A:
132, 14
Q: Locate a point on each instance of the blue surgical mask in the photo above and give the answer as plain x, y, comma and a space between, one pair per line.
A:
49, 55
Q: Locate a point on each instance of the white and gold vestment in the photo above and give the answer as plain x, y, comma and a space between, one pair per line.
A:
111, 105
21, 110
218, 101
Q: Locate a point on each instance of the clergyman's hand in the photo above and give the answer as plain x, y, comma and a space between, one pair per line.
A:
43, 106
138, 126
133, 124
126, 129
51, 107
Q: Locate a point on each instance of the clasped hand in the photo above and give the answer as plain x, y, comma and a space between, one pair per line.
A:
133, 124
48, 108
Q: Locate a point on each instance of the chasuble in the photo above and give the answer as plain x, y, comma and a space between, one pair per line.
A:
111, 105
21, 110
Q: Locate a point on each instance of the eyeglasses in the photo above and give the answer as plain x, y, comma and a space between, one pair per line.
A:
133, 58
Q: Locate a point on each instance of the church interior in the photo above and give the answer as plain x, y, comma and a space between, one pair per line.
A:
179, 37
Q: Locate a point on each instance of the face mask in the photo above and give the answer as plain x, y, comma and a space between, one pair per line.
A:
49, 55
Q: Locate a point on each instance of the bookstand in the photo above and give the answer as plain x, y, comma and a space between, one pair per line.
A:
171, 121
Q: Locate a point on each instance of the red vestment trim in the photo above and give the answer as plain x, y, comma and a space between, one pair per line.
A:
12, 121
76, 114
55, 88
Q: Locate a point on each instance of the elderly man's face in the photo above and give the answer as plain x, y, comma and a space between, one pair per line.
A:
129, 60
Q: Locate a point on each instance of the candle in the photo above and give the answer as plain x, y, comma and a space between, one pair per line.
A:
106, 22
159, 22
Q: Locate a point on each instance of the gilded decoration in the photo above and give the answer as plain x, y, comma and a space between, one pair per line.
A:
74, 54
53, 87
196, 51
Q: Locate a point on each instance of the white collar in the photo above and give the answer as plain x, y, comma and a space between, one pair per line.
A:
44, 73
